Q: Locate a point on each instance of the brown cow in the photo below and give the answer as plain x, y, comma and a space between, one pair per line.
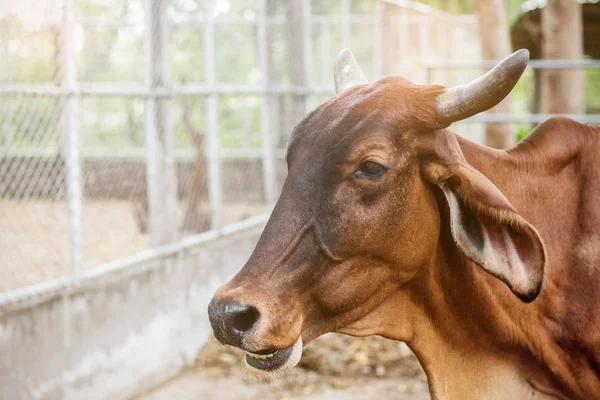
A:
485, 262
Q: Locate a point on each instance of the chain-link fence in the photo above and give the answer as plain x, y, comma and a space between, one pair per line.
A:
129, 124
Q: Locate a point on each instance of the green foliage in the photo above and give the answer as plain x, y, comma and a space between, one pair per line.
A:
115, 53
239, 119
236, 54
591, 82
30, 55
187, 54
320, 7
112, 123
111, 54
522, 130
30, 122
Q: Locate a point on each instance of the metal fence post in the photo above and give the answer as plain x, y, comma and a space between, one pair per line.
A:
160, 159
308, 51
73, 161
213, 155
404, 32
424, 28
7, 129
325, 55
346, 31
268, 162
379, 37
151, 142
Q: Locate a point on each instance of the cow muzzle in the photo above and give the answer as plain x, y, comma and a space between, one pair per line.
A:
246, 327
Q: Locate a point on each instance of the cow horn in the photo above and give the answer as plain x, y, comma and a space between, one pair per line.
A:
347, 73
483, 93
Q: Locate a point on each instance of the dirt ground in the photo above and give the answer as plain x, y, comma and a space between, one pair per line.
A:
35, 237
332, 367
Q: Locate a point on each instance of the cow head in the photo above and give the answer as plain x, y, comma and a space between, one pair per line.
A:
360, 215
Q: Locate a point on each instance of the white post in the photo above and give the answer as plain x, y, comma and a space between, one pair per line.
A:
151, 142
268, 161
307, 49
160, 160
326, 55
213, 143
7, 128
445, 51
404, 31
73, 160
346, 35
379, 32
424, 44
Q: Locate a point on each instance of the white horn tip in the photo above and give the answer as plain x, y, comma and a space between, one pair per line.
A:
344, 55
519, 57
522, 53
347, 72
483, 93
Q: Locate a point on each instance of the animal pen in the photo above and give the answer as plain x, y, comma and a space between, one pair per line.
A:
142, 146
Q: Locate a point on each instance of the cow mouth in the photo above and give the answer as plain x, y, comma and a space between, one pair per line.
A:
276, 360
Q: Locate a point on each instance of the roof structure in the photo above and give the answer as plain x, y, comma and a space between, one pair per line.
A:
526, 31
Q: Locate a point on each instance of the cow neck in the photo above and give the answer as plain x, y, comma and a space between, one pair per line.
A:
466, 337
453, 336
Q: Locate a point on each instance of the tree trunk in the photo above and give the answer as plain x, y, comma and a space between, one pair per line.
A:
562, 38
495, 45
195, 219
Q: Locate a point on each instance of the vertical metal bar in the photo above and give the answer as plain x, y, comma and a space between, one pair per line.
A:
443, 25
307, 49
151, 141
464, 127
150, 132
378, 48
424, 27
404, 42
160, 163
166, 136
213, 144
451, 50
73, 160
152, 170
268, 158
7, 110
346, 32
326, 55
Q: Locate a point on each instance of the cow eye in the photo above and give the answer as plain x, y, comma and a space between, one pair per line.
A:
370, 170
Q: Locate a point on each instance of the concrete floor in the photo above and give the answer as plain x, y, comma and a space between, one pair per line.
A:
196, 385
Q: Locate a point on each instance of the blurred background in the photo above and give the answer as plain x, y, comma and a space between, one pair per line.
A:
142, 146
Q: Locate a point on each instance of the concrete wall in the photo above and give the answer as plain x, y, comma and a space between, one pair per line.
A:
118, 331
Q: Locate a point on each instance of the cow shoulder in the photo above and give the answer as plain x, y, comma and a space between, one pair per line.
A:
556, 143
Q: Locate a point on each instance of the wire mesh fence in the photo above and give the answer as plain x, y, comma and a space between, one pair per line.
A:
130, 124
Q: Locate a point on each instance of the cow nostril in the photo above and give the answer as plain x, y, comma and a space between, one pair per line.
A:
245, 319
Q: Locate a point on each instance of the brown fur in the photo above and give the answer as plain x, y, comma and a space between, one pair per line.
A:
366, 257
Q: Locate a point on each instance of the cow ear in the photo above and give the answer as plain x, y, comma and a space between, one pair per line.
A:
484, 225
